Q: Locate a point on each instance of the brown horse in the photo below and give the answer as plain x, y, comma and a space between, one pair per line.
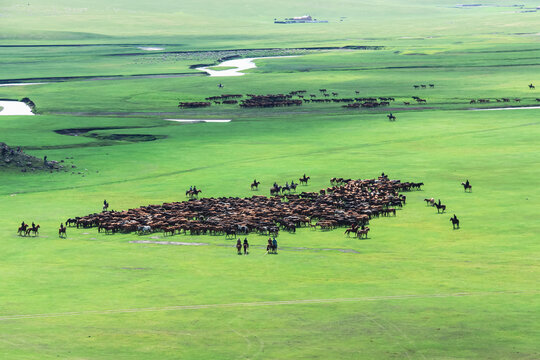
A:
62, 231
466, 186
193, 193
440, 207
255, 185
430, 201
33, 229
22, 230
239, 247
350, 230
455, 222
361, 232
304, 180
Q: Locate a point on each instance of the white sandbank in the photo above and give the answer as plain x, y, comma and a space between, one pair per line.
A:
194, 121
15, 108
145, 48
239, 64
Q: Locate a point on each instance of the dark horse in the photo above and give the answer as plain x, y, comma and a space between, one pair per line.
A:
193, 193
531, 86
239, 247
274, 190
22, 229
62, 231
467, 185
304, 180
391, 117
455, 222
255, 185
34, 229
440, 207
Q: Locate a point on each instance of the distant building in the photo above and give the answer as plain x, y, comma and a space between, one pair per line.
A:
306, 19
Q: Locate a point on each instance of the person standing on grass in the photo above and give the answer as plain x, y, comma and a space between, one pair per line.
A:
274, 245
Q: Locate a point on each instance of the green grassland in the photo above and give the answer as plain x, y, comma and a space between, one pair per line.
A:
415, 289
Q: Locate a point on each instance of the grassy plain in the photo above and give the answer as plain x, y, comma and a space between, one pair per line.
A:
415, 289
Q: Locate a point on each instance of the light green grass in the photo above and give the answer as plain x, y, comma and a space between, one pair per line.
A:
475, 289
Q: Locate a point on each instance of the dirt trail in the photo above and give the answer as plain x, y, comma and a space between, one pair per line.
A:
263, 303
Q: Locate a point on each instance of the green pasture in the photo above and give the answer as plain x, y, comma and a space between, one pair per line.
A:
415, 289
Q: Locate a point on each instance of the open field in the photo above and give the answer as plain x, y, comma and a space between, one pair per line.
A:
415, 289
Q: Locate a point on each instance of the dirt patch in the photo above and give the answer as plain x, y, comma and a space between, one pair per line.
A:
104, 139
15, 158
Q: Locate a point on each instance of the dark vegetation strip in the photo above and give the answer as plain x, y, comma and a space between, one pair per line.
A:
348, 47
99, 77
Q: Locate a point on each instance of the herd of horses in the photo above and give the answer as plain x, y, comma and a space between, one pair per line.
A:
294, 98
299, 97
346, 203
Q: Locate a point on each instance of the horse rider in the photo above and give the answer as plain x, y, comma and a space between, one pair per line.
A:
439, 202
246, 246
455, 217
23, 224
195, 188
33, 225
274, 245
239, 246
191, 188
467, 183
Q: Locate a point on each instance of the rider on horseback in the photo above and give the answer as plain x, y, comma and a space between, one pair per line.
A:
246, 246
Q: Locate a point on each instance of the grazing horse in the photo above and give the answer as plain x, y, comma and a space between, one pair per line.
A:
361, 232
455, 222
430, 201
304, 180
144, 229
34, 229
531, 86
62, 231
255, 185
466, 186
71, 222
440, 207
391, 117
